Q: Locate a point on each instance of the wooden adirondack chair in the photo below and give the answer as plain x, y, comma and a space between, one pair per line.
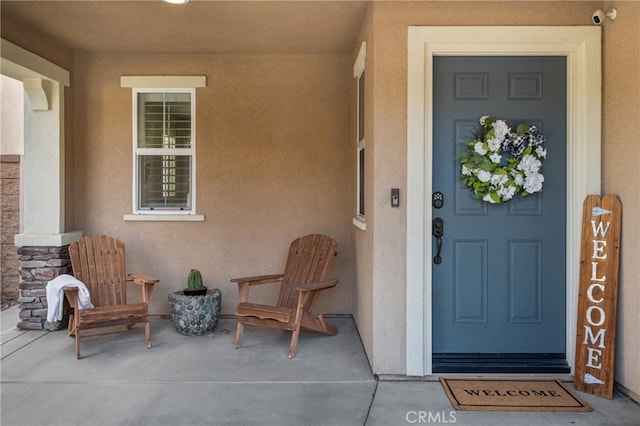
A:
99, 262
305, 275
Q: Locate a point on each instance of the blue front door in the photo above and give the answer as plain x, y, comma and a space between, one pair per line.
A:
500, 285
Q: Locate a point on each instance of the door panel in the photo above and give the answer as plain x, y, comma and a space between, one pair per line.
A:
500, 287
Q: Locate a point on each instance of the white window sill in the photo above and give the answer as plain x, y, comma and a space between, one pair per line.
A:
359, 223
163, 217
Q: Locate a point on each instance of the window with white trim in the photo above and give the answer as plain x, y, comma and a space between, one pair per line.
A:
164, 150
359, 75
164, 146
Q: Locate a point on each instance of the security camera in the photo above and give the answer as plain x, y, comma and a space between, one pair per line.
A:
599, 16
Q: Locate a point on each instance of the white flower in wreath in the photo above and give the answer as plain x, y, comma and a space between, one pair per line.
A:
466, 171
533, 183
507, 192
518, 179
483, 119
495, 158
489, 199
500, 129
479, 148
529, 164
497, 180
494, 144
541, 152
484, 176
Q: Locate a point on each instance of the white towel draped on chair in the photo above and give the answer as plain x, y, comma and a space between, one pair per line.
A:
55, 295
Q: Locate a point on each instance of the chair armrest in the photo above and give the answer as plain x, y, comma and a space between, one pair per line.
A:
244, 284
142, 279
258, 280
72, 295
323, 285
146, 284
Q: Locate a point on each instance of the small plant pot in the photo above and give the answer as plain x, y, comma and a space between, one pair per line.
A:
195, 291
195, 315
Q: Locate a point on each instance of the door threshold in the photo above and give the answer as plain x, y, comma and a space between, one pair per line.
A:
435, 377
516, 363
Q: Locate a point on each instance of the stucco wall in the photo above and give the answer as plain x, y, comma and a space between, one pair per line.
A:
273, 163
621, 79
11, 116
621, 175
363, 240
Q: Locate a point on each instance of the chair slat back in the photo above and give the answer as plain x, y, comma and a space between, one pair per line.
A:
99, 262
309, 261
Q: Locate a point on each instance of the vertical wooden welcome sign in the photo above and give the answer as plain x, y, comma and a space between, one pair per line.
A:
598, 297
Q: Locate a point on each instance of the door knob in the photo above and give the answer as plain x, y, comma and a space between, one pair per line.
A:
438, 232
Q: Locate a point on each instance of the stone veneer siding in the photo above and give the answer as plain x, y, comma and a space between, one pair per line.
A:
39, 265
9, 224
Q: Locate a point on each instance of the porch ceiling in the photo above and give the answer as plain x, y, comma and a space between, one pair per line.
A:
199, 27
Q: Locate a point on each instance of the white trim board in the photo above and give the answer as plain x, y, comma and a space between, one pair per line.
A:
163, 81
582, 48
19, 63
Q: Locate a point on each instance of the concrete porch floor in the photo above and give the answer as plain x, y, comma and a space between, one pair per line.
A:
204, 381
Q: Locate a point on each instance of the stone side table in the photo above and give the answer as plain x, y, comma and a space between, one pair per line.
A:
195, 315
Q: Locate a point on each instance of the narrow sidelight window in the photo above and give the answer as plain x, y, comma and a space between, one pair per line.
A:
359, 75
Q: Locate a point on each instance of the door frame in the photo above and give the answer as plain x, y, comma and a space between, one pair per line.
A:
582, 48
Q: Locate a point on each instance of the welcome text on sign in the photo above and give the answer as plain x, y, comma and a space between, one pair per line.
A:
595, 314
597, 299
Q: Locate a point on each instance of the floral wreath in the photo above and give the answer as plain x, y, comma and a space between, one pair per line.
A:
493, 179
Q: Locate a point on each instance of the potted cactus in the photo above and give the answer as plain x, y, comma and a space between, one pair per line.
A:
194, 284
195, 310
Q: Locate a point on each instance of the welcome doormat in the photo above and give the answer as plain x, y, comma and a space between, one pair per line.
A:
511, 395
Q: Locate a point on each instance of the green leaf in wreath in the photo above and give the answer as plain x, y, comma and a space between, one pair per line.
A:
522, 128
486, 165
500, 172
